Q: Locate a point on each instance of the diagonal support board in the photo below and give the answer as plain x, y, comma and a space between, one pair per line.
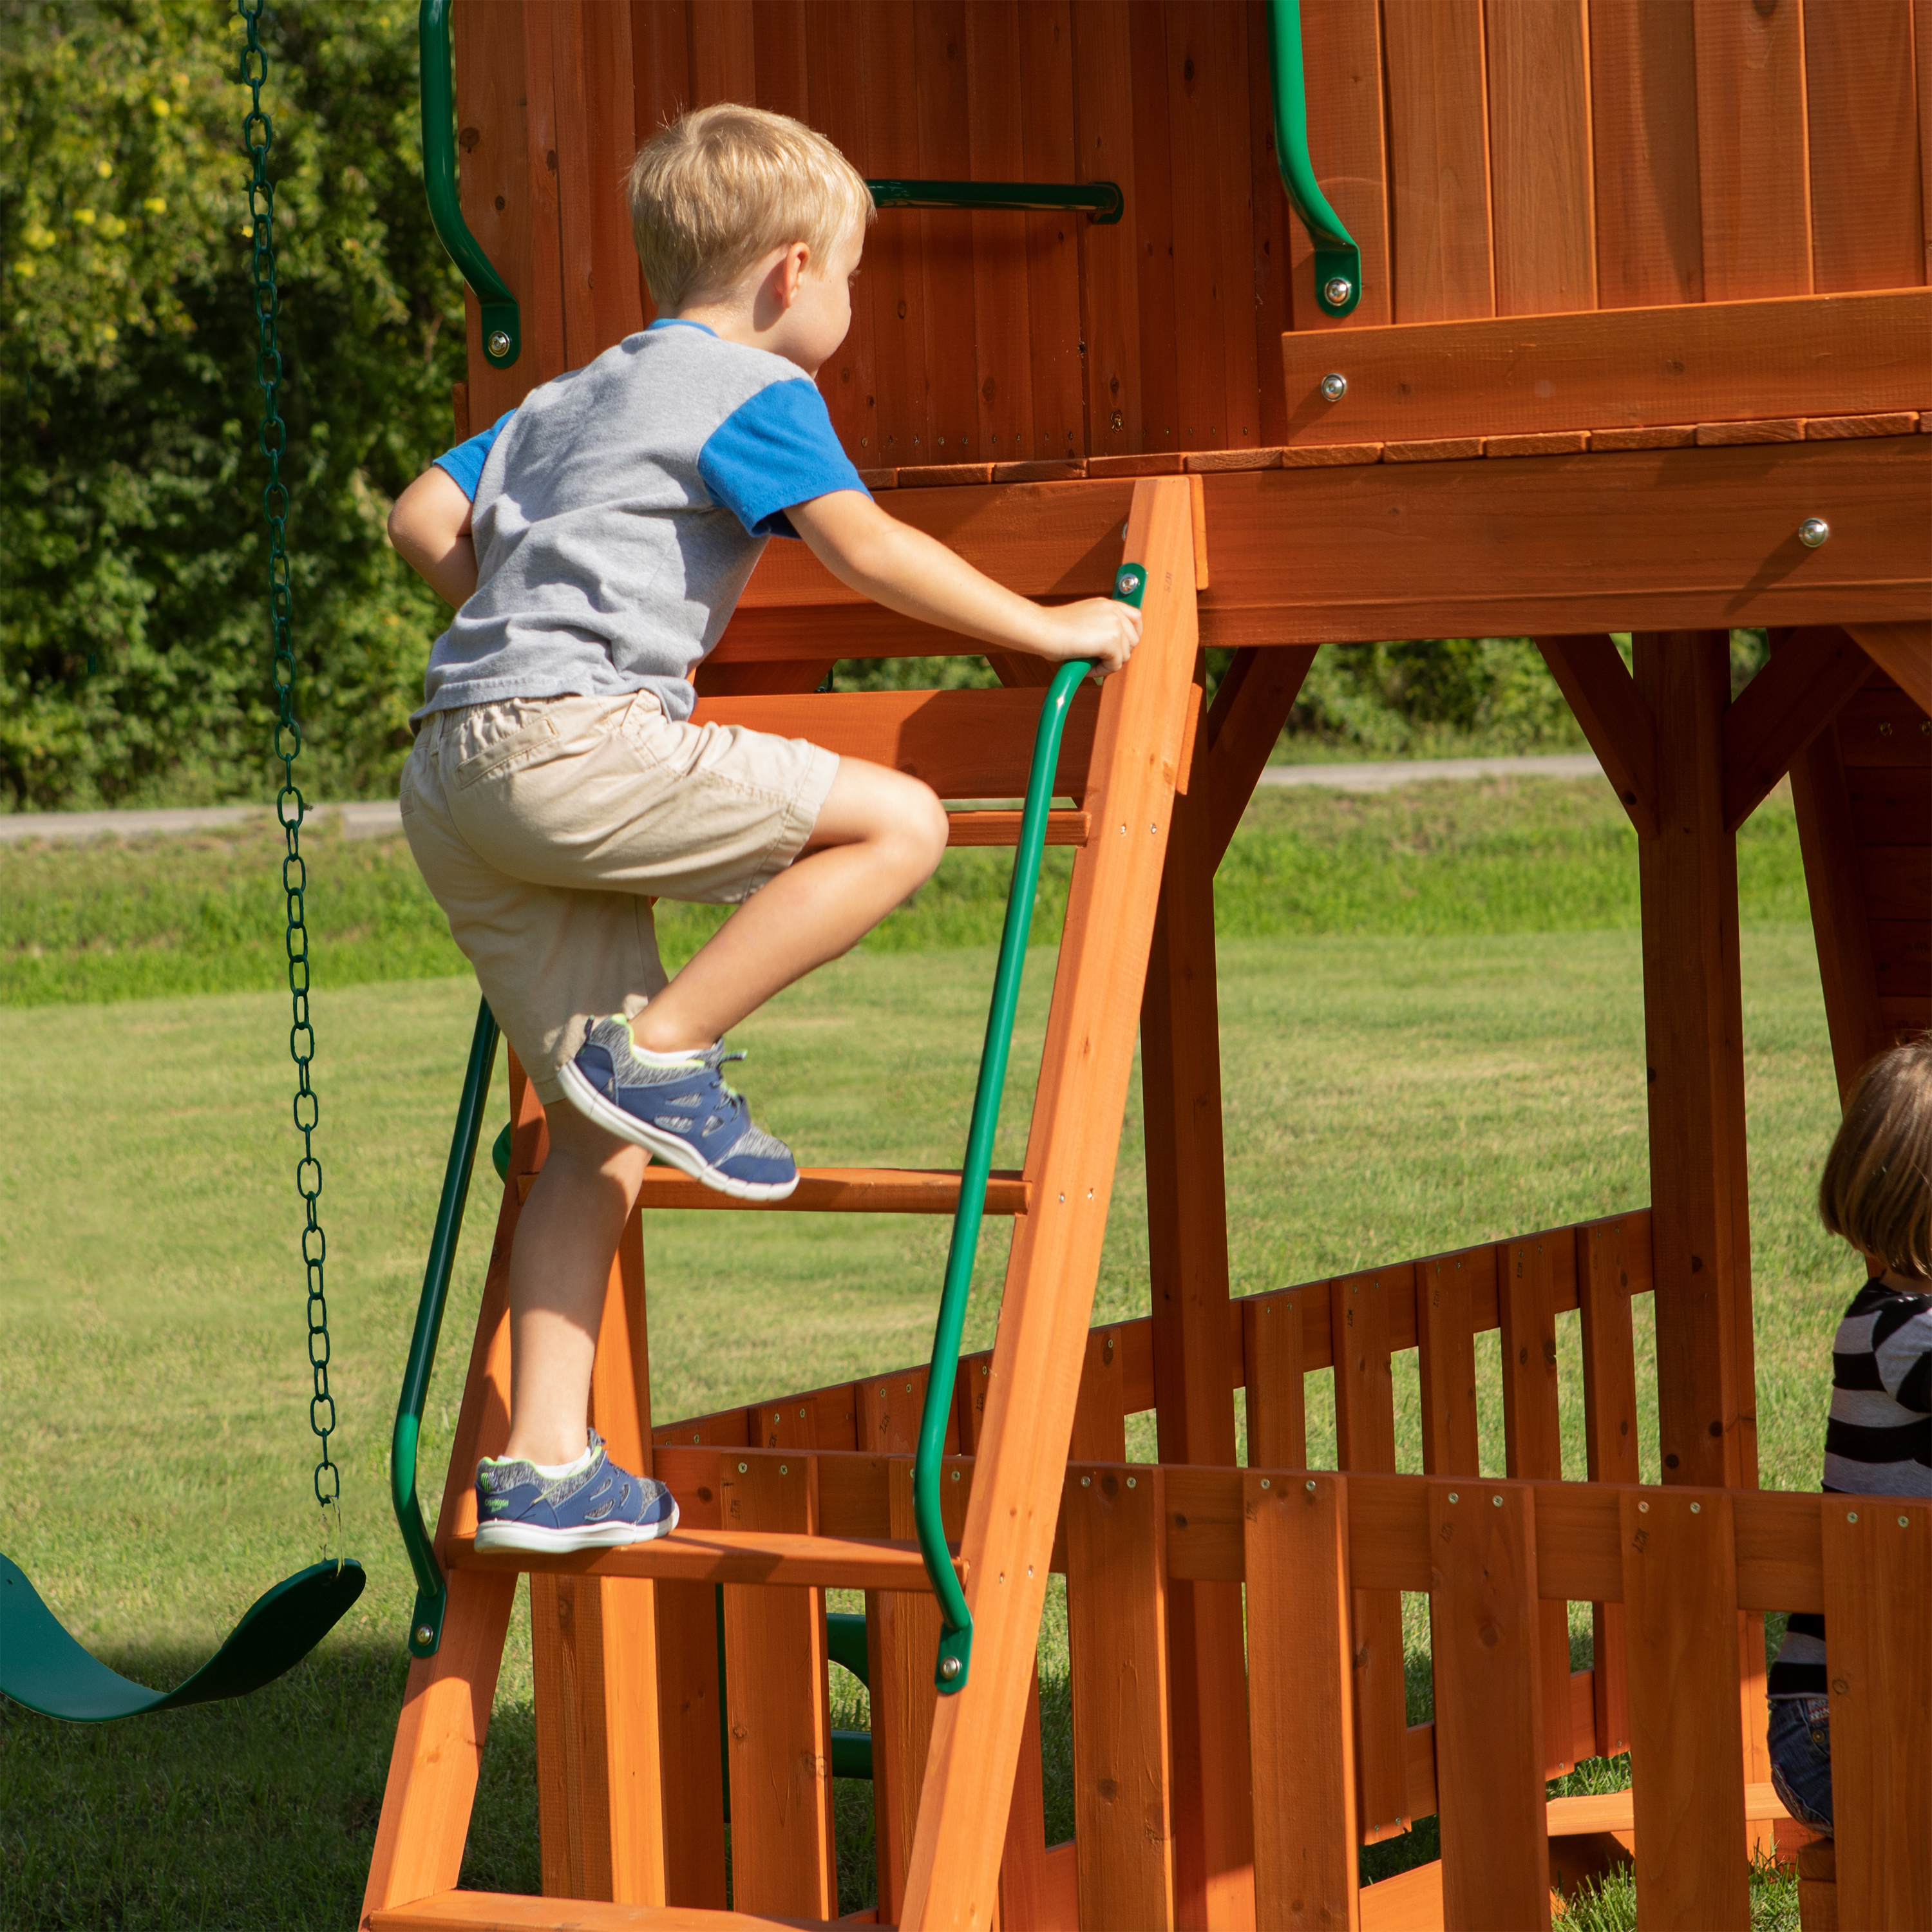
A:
1022, 1441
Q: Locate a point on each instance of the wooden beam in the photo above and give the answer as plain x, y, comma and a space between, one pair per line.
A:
1810, 674
1619, 723
1257, 690
1904, 652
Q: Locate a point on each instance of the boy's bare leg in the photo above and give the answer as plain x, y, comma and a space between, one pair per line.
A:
559, 1269
879, 837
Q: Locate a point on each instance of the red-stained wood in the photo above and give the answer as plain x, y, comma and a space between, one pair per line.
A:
1605, 1250
1341, 43
1034, 1895
1868, 219
892, 275
1904, 652
1277, 1414
1643, 96
724, 56
1242, 727
1542, 208
543, 316
1439, 143
1489, 1714
1110, 317
1044, 82
1099, 1432
1198, 78
948, 272
615, 296
1160, 175
779, 41
1232, 53
1365, 1440
1622, 732
1116, 1633
1751, 150
691, 1746
660, 83
1295, 1538
1269, 224
1878, 1580
1882, 726
1003, 319
1680, 1606
1809, 679
1445, 1342
848, 380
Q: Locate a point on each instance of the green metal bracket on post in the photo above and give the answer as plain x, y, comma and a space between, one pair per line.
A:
432, 1593
1100, 202
503, 331
1338, 262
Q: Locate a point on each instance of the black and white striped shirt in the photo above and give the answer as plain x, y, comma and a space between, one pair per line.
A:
1878, 1442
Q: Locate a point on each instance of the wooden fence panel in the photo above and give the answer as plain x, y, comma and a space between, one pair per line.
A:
1488, 1713
1295, 1537
1446, 1348
948, 271
1277, 1405
1686, 1758
1002, 311
1342, 42
1110, 319
1057, 427
835, 75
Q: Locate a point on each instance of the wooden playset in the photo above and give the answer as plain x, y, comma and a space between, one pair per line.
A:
1633, 337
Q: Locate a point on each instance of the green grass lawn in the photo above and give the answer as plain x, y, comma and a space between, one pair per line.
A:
1432, 1035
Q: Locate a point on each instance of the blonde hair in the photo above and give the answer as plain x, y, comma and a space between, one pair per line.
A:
719, 187
1876, 1192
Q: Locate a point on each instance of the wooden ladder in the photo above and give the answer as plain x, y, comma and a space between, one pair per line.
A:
616, 1736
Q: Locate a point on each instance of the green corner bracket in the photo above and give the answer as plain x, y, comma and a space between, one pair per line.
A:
1338, 261
502, 330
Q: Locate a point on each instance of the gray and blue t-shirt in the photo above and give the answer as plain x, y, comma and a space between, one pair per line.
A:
619, 511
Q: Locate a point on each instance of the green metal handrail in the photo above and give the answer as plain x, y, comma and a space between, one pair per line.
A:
1338, 262
432, 1594
502, 330
955, 1640
1100, 202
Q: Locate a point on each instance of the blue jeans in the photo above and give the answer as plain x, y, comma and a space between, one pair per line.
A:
1800, 1758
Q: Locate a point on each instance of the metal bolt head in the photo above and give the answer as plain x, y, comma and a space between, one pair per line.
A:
949, 1668
1334, 385
1813, 532
1117, 420
500, 342
1264, 1482
424, 1634
1337, 290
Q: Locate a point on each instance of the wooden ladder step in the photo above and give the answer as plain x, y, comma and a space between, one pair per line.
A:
514, 1911
837, 1190
723, 1556
1001, 827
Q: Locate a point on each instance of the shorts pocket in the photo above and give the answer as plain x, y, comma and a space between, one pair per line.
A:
530, 738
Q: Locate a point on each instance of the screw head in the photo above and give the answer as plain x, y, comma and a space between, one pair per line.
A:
1334, 385
1496, 1502
949, 1668
1851, 1516
424, 1634
1264, 1482
500, 342
1337, 290
1696, 1509
1453, 1496
1813, 532
1309, 1486
1116, 420
742, 1467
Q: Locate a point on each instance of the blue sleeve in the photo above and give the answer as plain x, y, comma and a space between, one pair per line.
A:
775, 450
465, 462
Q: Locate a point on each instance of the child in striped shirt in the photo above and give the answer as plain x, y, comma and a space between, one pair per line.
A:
1876, 1194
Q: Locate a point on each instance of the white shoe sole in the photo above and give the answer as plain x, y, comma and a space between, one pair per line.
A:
681, 1155
531, 1537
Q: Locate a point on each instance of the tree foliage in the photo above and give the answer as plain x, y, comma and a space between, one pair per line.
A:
130, 474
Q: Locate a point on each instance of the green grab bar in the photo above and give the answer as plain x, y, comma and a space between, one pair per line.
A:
955, 1640
1338, 262
502, 330
1101, 202
432, 1593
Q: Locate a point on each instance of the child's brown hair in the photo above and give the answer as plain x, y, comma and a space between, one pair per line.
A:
1876, 1192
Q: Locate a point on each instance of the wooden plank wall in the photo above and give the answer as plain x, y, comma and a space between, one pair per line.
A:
1493, 157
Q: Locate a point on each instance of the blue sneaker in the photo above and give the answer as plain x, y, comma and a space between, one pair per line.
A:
593, 1505
682, 1111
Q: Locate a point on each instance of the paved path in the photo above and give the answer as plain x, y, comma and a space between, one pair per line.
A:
376, 818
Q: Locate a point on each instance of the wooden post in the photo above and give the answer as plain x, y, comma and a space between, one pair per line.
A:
1187, 1254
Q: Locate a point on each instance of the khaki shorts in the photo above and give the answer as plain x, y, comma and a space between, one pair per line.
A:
544, 826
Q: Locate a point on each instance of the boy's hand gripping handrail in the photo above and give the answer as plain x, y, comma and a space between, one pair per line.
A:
1338, 262
432, 1594
955, 1640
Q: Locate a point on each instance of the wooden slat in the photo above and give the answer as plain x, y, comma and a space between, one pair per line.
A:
1365, 1439
845, 1190
1878, 802
1752, 150
1099, 1432
1196, 76
1533, 1448
1643, 97
892, 280
1680, 1603
1116, 1632
1896, 881
834, 84
690, 1740
1439, 159
1904, 652
1445, 1340
780, 1734
723, 1556
1044, 81
1002, 331
1610, 1426
1342, 43
615, 294
1234, 52
724, 57
1110, 318
1159, 174
1271, 1330
949, 279
543, 320
1810, 678
1882, 726
1878, 1581
1542, 209
513, 1912
1300, 1673
1488, 1716
1698, 362
1867, 222
1269, 223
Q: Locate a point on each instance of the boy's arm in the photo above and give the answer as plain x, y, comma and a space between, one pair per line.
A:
430, 527
917, 576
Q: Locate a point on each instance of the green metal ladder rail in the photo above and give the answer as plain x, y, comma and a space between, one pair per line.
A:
955, 1640
1338, 261
432, 1592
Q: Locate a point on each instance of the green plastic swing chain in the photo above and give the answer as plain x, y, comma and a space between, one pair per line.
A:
258, 136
